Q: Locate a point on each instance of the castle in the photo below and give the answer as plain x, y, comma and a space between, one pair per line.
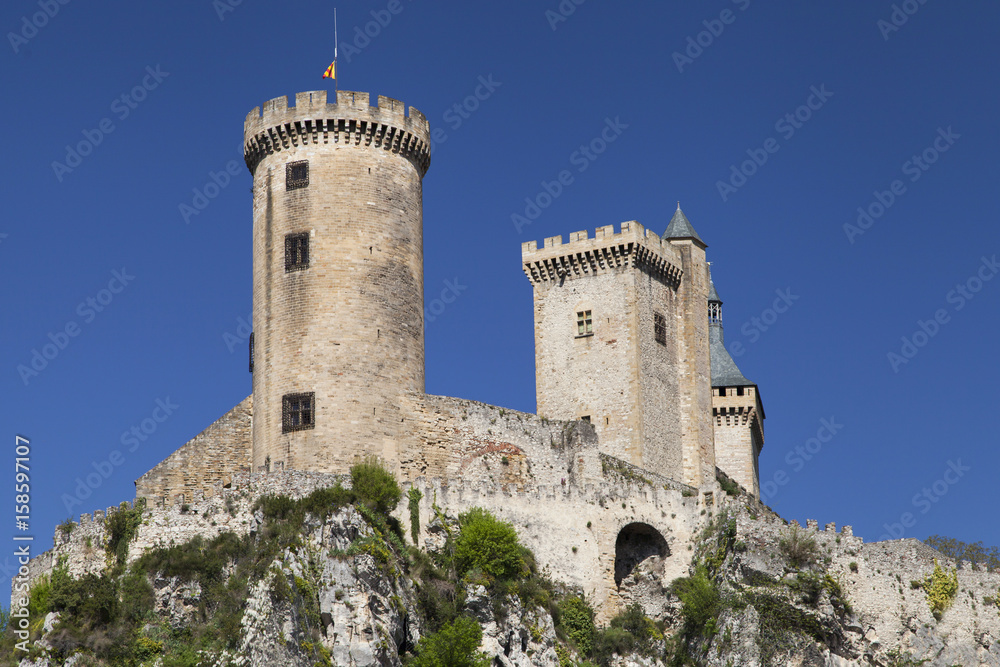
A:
628, 324
642, 413
645, 429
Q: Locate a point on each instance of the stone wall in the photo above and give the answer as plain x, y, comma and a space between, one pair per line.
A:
207, 459
572, 528
889, 610
461, 439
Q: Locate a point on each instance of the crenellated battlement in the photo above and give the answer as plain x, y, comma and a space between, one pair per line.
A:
633, 246
351, 120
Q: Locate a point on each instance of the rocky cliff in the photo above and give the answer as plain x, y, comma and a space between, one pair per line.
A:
288, 573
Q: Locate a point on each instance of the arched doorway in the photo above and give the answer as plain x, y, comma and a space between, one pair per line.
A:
636, 542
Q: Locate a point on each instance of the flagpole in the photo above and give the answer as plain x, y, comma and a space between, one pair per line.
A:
336, 86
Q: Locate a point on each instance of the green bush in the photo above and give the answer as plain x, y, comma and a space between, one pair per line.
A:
700, 597
375, 486
39, 598
800, 550
577, 619
629, 632
941, 589
455, 645
489, 545
122, 527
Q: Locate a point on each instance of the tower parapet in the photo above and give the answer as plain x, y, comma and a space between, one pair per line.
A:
633, 246
351, 120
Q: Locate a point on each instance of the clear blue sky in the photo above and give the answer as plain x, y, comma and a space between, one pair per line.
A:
879, 97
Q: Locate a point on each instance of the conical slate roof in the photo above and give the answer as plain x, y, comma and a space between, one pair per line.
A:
725, 373
680, 227
712, 294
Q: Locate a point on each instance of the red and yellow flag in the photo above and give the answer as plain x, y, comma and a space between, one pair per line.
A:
331, 72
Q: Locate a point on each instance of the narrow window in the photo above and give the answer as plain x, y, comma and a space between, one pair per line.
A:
660, 328
296, 175
297, 251
251, 352
584, 323
298, 412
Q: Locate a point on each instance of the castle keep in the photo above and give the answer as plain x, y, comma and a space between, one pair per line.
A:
633, 380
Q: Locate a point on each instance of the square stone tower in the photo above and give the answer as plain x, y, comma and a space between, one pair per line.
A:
621, 341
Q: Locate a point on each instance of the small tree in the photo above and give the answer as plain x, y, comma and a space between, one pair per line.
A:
941, 589
489, 545
455, 645
577, 619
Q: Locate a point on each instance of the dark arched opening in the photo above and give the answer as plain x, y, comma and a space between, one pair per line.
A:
636, 542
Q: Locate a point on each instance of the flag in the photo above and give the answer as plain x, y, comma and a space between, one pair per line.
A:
331, 71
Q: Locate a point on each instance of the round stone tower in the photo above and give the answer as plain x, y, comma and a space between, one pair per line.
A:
337, 277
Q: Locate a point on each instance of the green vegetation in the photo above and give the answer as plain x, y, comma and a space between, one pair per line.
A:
109, 616
800, 550
67, 527
957, 550
456, 644
577, 620
375, 486
488, 546
414, 506
941, 589
122, 527
729, 486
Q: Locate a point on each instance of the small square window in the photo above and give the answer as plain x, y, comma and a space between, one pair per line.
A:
585, 418
739, 391
298, 412
297, 251
584, 323
296, 175
660, 328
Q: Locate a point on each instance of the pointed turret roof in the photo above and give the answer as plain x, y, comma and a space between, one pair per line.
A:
680, 227
712, 294
725, 372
